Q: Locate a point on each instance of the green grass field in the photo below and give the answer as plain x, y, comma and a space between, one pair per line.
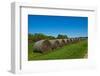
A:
71, 51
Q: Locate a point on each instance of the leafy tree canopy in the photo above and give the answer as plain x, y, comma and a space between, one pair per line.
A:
39, 36
62, 36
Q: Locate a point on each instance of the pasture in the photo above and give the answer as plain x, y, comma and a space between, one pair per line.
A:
75, 50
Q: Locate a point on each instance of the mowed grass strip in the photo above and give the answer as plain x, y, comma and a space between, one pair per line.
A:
70, 51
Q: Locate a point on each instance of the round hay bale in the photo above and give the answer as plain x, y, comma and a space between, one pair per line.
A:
42, 46
66, 41
76, 39
61, 42
69, 40
54, 43
79, 39
72, 40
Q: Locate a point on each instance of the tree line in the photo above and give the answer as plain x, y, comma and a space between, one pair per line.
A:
39, 36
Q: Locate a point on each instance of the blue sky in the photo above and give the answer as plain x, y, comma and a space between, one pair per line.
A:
73, 26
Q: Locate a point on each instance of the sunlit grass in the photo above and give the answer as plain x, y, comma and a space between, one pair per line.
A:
71, 51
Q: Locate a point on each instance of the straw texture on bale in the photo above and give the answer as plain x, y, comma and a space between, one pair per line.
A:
45, 45
61, 42
42, 46
55, 43
71, 39
76, 39
66, 41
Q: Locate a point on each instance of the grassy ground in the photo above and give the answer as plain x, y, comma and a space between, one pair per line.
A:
70, 51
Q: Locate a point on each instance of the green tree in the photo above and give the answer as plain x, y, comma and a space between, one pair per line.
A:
38, 36
62, 36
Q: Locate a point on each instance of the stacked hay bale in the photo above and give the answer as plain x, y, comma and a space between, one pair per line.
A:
76, 39
55, 43
46, 45
61, 42
42, 46
66, 42
71, 39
